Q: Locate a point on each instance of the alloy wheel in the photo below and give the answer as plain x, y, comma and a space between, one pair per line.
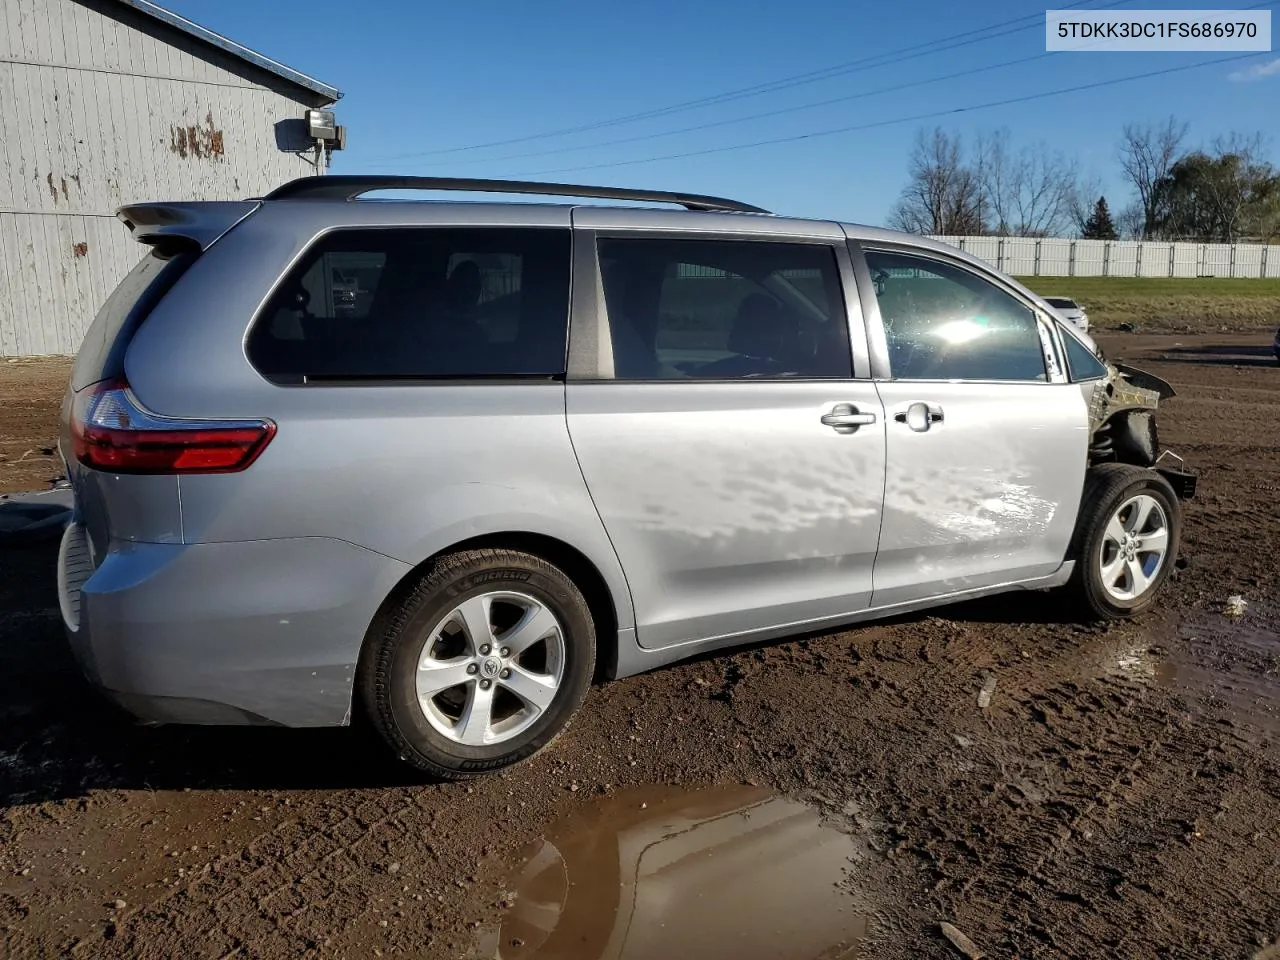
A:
1134, 546
491, 667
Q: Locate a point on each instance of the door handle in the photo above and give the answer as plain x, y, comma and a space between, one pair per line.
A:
846, 418
920, 416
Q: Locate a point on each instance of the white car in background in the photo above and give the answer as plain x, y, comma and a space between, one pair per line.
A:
1070, 311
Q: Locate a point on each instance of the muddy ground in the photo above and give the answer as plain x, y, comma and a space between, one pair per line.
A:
30, 393
1119, 796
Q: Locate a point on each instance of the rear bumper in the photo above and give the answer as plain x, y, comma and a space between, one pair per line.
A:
254, 632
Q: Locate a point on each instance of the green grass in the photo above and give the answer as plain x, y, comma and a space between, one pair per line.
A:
1164, 304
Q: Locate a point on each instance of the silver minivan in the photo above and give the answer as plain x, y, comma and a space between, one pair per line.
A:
445, 462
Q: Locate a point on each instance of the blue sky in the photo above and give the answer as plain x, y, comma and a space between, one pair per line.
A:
419, 77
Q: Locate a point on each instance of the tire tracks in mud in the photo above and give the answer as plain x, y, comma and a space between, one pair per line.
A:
1004, 817
260, 893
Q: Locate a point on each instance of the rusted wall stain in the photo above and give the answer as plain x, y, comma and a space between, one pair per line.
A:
62, 183
76, 143
197, 140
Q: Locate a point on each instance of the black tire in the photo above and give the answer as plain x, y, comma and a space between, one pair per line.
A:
391, 652
1106, 488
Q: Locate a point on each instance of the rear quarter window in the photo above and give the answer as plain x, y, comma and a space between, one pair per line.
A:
419, 303
101, 354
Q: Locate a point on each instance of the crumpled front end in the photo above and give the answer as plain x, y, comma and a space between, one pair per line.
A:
1122, 421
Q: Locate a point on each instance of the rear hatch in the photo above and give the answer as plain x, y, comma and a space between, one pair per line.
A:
112, 506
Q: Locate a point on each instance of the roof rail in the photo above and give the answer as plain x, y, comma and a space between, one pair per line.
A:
350, 186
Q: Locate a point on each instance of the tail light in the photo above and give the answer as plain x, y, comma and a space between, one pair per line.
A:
113, 432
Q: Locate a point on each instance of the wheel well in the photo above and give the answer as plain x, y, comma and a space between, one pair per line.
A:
1127, 436
575, 565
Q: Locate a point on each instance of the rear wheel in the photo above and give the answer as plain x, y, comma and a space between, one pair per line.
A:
1127, 539
482, 664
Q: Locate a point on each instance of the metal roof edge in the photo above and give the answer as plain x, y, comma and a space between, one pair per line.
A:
230, 46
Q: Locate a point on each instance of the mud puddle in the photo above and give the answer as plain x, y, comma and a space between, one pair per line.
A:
1226, 666
1235, 669
660, 872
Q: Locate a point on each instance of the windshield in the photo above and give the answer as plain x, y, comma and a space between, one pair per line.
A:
1061, 302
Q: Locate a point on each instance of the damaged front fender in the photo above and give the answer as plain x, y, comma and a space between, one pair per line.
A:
1146, 381
1122, 420
1117, 393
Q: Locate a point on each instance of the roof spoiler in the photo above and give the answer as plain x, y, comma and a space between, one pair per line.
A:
184, 224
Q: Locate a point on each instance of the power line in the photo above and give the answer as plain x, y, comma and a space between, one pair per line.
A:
863, 94
860, 95
813, 135
783, 83
697, 128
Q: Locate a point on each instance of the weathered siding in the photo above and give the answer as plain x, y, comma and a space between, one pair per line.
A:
96, 113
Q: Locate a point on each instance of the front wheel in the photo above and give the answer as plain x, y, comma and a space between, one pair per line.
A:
482, 664
1126, 540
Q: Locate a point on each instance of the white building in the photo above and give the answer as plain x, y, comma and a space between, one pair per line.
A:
107, 102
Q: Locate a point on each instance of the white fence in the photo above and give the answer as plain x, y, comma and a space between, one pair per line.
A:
1052, 257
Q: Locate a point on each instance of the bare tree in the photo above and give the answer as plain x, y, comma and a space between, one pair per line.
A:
942, 194
1084, 195
1131, 222
1147, 154
1028, 191
1240, 180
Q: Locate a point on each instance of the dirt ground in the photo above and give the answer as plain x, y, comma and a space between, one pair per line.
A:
1118, 796
30, 394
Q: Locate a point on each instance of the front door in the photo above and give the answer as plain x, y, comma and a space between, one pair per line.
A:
736, 462
986, 441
